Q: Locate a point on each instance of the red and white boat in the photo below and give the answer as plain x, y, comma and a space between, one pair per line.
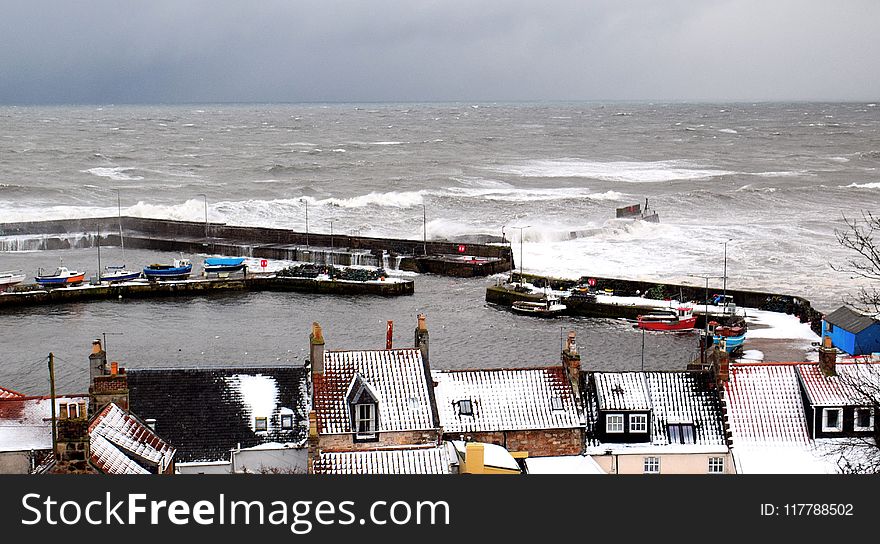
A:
680, 319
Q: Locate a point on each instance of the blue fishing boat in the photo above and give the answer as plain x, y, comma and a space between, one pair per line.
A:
729, 338
61, 276
224, 264
114, 274
178, 270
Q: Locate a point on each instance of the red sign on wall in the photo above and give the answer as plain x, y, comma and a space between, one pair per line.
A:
462, 248
264, 263
591, 282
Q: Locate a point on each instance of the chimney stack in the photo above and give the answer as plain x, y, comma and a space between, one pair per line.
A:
389, 334
97, 361
721, 362
828, 357
474, 458
422, 338
313, 451
316, 349
571, 361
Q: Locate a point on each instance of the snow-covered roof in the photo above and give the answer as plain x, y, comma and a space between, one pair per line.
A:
671, 398
764, 405
506, 400
206, 412
26, 422
120, 443
768, 423
411, 460
396, 377
565, 464
839, 390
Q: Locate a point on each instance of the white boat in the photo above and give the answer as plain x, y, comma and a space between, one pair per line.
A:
546, 307
10, 278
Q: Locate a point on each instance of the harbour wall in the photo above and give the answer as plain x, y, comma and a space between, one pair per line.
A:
437, 257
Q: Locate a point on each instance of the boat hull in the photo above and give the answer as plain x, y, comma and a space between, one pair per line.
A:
115, 277
731, 343
678, 325
69, 280
161, 272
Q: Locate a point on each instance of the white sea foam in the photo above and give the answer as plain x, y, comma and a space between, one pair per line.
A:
782, 174
874, 185
728, 131
116, 173
623, 171
397, 199
502, 194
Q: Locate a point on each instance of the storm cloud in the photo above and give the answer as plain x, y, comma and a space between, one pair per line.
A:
170, 51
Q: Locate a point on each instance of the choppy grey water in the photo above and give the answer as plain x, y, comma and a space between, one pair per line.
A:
775, 178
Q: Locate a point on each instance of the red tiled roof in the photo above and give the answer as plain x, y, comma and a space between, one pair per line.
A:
764, 405
396, 376
26, 422
507, 399
119, 439
839, 390
9, 394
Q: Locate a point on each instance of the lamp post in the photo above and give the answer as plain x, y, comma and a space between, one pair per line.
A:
521, 267
306, 202
331, 233
724, 299
206, 216
706, 301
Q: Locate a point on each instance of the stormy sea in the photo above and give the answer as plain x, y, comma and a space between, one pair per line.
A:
773, 180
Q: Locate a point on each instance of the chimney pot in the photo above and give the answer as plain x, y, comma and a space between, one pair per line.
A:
114, 368
96, 346
389, 334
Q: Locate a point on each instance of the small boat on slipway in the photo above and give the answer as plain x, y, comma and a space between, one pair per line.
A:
61, 277
179, 269
730, 339
224, 264
10, 278
549, 306
680, 319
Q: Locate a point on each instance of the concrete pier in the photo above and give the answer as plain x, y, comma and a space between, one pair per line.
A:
200, 287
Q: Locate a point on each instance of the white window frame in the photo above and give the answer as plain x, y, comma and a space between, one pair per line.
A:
616, 427
287, 421
856, 426
825, 427
652, 463
72, 410
716, 465
369, 417
643, 423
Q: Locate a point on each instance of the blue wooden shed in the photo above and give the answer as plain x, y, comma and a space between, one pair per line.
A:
852, 332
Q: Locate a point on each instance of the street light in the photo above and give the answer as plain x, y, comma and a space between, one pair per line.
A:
306, 202
521, 267
331, 233
724, 299
206, 217
424, 229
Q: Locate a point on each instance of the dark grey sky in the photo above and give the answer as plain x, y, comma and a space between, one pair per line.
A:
129, 51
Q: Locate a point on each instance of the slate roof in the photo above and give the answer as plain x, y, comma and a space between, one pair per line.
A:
838, 390
26, 422
206, 412
121, 444
398, 378
415, 460
507, 400
850, 320
764, 405
671, 397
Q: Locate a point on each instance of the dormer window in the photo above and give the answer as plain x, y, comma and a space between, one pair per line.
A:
465, 407
261, 424
681, 433
556, 404
864, 419
287, 421
614, 423
363, 402
832, 420
638, 423
365, 420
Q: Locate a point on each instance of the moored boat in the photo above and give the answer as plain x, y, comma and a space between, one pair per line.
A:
679, 319
224, 264
115, 274
179, 269
61, 276
10, 278
730, 339
547, 307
